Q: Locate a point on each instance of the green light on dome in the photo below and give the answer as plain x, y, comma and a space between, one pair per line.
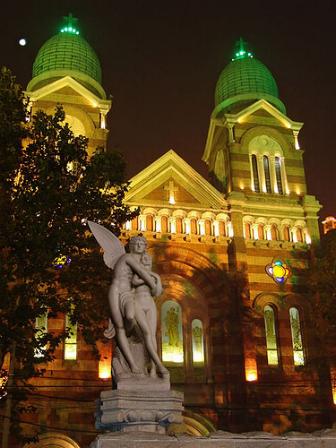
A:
241, 51
69, 25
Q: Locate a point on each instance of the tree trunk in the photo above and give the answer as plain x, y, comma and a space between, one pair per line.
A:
8, 407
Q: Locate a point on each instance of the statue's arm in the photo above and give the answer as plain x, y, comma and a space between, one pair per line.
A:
143, 273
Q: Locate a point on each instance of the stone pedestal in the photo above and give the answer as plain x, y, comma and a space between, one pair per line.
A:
134, 409
219, 439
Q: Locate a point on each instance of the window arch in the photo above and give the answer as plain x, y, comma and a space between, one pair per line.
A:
298, 355
197, 342
172, 333
267, 174
271, 336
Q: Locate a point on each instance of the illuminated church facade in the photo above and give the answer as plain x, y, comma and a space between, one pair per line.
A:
234, 326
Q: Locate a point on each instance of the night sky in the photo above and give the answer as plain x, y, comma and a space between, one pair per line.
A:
161, 61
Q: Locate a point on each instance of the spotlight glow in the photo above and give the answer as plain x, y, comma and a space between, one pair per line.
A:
22, 42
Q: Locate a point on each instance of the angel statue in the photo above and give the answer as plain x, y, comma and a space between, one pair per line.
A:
133, 312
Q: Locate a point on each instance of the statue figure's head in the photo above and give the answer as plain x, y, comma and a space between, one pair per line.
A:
137, 245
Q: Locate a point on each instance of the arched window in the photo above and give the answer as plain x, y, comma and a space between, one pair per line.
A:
149, 223
299, 235
207, 227
267, 174
178, 225
164, 224
222, 228
271, 338
197, 342
286, 233
171, 331
261, 233
274, 232
247, 230
277, 162
298, 355
255, 174
193, 226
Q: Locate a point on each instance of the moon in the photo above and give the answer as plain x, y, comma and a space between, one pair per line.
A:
22, 42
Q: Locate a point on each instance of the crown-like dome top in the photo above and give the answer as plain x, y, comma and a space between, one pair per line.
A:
67, 53
245, 80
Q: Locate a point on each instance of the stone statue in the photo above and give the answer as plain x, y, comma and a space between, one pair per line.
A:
133, 311
141, 399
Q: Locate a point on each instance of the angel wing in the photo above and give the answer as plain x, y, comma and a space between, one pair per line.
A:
113, 249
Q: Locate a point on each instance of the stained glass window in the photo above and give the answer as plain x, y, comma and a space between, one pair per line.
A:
197, 342
271, 339
298, 354
172, 335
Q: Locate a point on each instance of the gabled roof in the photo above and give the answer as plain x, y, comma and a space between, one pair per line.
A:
149, 187
249, 114
269, 109
78, 88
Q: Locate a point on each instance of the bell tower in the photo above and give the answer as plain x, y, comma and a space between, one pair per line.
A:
67, 71
252, 149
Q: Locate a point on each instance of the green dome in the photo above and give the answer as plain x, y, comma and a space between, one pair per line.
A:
67, 53
244, 80
70, 52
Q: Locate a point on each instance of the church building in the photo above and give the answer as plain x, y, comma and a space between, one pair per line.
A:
234, 327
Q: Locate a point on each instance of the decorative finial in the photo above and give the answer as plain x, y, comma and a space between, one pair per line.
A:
70, 25
241, 50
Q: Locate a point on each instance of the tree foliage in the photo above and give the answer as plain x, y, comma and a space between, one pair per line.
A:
49, 187
321, 282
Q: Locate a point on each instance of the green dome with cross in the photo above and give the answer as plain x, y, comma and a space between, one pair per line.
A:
67, 53
243, 81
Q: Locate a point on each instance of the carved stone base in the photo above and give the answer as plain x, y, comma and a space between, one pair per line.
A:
125, 410
219, 439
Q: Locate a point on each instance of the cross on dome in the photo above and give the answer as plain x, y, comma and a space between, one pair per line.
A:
241, 50
70, 24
